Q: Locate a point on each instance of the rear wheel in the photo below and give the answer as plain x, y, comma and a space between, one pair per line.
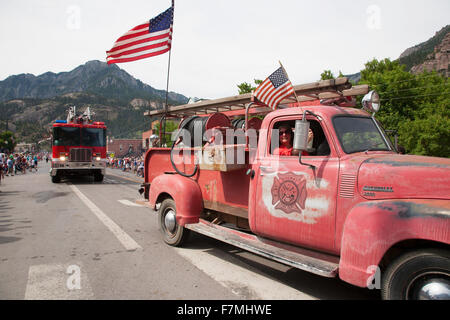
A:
56, 179
418, 275
173, 234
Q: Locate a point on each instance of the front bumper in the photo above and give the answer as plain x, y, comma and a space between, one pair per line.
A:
67, 167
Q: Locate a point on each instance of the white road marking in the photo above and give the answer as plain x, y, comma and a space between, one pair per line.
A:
121, 235
58, 282
241, 281
129, 203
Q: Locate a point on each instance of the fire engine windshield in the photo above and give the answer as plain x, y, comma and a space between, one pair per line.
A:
66, 136
357, 134
92, 137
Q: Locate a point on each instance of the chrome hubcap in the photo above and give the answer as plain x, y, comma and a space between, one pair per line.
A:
434, 289
430, 286
170, 221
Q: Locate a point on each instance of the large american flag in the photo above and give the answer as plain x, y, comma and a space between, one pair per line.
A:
145, 40
274, 89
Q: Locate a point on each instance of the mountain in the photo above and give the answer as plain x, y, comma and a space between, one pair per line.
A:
93, 77
29, 104
433, 54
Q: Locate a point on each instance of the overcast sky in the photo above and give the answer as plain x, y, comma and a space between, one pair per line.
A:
217, 43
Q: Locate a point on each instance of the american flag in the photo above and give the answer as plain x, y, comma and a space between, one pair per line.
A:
274, 89
146, 40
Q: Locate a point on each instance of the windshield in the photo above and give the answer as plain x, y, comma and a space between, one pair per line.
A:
358, 134
66, 136
92, 137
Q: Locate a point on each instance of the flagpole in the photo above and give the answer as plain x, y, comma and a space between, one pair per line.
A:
166, 107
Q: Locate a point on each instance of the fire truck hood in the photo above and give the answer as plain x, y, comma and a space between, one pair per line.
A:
404, 176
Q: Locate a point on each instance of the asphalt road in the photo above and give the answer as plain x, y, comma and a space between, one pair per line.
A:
84, 240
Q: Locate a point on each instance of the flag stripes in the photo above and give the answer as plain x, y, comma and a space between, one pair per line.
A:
274, 89
145, 40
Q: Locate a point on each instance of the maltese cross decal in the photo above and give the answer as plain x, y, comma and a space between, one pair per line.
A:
289, 193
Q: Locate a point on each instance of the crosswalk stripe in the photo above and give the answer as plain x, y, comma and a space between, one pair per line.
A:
241, 281
129, 203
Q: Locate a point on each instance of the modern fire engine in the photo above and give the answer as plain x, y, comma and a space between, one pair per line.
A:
348, 205
78, 147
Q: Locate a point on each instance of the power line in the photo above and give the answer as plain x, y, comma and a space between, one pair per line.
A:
409, 80
422, 95
412, 88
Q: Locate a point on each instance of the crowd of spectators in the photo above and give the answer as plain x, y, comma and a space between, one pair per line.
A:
128, 164
12, 164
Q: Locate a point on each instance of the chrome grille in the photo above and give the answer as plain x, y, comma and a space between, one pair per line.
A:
80, 155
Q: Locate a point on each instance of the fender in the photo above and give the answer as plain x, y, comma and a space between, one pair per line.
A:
184, 191
371, 228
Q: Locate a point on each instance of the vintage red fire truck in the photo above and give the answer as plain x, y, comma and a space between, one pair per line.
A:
350, 206
78, 147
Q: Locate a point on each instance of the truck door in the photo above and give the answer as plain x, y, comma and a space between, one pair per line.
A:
296, 203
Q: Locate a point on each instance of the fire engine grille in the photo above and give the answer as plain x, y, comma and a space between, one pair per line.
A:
80, 155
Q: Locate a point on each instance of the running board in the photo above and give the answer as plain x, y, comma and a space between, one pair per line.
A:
318, 263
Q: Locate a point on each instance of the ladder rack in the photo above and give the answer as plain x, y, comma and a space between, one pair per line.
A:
324, 89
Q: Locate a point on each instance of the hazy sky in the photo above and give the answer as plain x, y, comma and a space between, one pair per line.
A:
217, 43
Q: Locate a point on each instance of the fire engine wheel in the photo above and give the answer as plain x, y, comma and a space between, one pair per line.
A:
418, 275
56, 179
173, 234
98, 177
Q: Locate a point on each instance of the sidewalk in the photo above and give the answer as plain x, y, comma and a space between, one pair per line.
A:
130, 175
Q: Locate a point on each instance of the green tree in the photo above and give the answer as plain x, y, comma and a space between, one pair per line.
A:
416, 106
7, 141
245, 87
326, 75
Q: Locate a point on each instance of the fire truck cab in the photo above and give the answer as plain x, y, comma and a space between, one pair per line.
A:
78, 147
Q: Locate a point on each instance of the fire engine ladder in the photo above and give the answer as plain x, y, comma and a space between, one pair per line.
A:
315, 262
325, 89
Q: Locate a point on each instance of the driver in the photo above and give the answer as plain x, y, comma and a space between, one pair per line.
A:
286, 148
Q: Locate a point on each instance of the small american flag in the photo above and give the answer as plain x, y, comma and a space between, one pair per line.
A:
146, 40
274, 89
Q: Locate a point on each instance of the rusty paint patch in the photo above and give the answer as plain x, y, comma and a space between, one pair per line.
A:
394, 163
408, 210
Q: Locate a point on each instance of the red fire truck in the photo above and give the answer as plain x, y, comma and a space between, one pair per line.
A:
350, 206
78, 147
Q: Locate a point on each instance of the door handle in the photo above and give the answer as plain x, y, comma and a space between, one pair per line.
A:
265, 170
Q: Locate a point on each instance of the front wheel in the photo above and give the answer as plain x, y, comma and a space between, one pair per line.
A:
418, 275
173, 234
98, 177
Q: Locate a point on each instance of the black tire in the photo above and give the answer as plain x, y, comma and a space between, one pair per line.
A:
174, 235
405, 276
98, 177
56, 179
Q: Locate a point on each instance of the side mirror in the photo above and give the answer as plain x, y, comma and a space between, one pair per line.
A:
301, 134
371, 101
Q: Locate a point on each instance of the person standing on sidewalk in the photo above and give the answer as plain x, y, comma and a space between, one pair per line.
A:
10, 164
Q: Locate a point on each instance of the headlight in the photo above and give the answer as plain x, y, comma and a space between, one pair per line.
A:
98, 158
62, 158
